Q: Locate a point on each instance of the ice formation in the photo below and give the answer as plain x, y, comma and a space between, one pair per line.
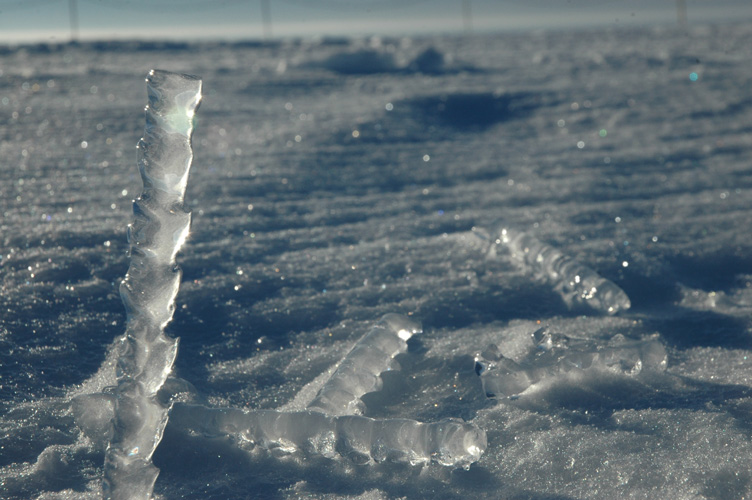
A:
361, 440
555, 356
332, 425
364, 227
359, 372
575, 282
145, 354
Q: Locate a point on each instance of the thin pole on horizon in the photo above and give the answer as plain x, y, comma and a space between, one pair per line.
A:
266, 19
467, 16
73, 13
681, 13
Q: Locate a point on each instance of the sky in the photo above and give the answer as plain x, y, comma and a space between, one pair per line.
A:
51, 20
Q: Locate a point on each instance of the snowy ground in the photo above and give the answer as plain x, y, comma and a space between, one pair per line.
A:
338, 180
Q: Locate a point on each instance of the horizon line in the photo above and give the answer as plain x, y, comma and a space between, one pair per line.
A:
358, 29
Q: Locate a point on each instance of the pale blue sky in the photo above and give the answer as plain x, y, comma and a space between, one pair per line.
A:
49, 20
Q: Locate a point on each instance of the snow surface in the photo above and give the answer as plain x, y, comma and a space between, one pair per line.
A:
326, 193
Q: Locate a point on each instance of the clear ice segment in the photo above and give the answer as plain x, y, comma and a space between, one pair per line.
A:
555, 356
359, 439
145, 355
360, 371
574, 281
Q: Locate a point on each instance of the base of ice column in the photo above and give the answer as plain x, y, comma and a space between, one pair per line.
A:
129, 479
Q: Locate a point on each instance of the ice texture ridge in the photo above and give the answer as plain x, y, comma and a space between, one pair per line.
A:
577, 283
360, 371
145, 355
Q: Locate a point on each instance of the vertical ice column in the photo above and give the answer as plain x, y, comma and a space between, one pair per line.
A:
161, 223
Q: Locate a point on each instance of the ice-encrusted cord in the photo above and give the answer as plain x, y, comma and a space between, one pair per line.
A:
145, 355
359, 439
555, 356
578, 284
360, 371
331, 425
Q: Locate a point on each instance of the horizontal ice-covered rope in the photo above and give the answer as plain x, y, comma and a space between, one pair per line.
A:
359, 439
556, 356
577, 283
145, 355
360, 371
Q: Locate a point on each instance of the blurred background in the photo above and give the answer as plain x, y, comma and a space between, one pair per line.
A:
64, 20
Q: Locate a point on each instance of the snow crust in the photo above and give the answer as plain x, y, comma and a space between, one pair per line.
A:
323, 200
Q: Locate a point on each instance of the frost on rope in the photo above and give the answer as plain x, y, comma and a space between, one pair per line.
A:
161, 223
332, 427
360, 371
575, 282
555, 357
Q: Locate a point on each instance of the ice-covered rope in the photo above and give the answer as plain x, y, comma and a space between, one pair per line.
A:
332, 427
361, 440
360, 371
145, 354
578, 284
556, 356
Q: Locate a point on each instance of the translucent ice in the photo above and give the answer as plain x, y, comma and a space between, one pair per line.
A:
330, 426
359, 372
575, 282
556, 356
145, 355
359, 439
